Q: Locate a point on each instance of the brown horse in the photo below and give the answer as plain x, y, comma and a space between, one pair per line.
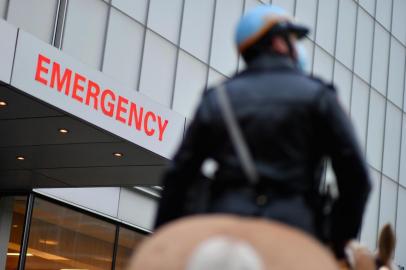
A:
214, 242
229, 242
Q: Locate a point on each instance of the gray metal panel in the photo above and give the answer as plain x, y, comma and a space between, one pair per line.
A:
161, 12
127, 176
75, 155
8, 34
134, 8
123, 50
44, 130
34, 16
84, 31
25, 179
196, 28
22, 107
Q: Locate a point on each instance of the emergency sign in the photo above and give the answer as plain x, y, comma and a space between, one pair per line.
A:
81, 89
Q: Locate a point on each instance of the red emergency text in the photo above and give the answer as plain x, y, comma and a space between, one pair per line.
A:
83, 90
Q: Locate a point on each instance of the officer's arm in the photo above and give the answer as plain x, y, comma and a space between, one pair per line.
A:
185, 166
349, 167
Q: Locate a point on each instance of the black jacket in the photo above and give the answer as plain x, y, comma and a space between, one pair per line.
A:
290, 122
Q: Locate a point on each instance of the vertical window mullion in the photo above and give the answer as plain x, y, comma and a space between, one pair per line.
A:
59, 23
57, 11
113, 262
26, 232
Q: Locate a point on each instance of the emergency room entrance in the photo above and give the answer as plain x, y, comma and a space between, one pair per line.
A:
37, 233
42, 146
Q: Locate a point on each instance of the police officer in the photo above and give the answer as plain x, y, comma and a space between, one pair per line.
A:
290, 122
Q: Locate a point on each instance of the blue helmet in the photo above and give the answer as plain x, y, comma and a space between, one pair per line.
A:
265, 20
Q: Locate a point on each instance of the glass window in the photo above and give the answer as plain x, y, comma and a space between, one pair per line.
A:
36, 17
164, 18
383, 12
380, 59
387, 211
12, 213
61, 238
400, 257
323, 64
196, 28
128, 242
346, 32
215, 78
326, 24
402, 177
375, 129
363, 47
369, 5
85, 31
392, 141
370, 221
288, 5
158, 68
190, 83
399, 20
223, 54
359, 108
396, 72
342, 80
134, 8
306, 14
122, 56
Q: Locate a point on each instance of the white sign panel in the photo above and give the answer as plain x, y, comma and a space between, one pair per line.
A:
46, 73
8, 34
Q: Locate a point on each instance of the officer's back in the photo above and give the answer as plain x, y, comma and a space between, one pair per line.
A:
289, 121
276, 108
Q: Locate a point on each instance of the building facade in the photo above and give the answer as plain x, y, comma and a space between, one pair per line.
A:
123, 78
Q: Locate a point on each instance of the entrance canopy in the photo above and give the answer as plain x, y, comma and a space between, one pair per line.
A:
64, 124
34, 151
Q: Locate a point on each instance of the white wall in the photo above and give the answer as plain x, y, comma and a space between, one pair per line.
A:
360, 45
7, 45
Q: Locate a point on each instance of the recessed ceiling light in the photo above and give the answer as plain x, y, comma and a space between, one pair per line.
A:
117, 154
18, 254
21, 158
3, 103
15, 226
71, 269
48, 242
63, 130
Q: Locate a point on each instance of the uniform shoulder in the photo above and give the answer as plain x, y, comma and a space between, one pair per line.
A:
207, 102
322, 84
208, 94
